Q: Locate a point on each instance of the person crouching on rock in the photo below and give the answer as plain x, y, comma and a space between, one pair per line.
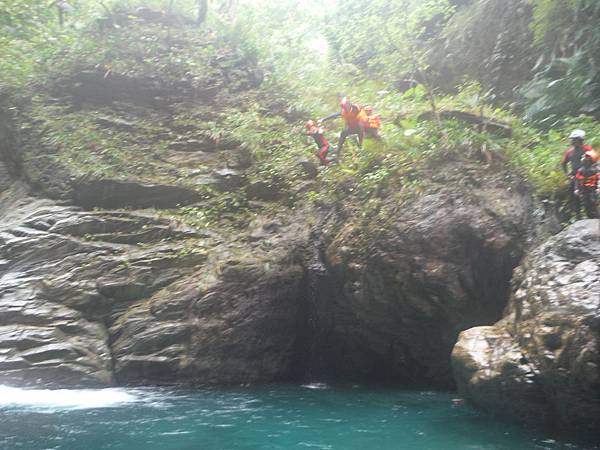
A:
373, 123
573, 157
323, 144
586, 185
355, 119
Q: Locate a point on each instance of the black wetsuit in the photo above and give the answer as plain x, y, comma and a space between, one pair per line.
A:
586, 182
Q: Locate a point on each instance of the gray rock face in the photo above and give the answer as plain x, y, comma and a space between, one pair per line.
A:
404, 287
240, 327
61, 278
139, 300
541, 362
106, 193
89, 298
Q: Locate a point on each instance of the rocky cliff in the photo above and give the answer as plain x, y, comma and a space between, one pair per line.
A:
119, 277
103, 296
408, 278
145, 238
158, 224
541, 362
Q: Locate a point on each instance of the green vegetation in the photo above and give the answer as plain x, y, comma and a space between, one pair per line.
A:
539, 152
85, 147
568, 80
253, 72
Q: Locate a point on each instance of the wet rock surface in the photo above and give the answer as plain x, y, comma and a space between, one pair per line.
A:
92, 298
139, 299
541, 362
240, 327
404, 287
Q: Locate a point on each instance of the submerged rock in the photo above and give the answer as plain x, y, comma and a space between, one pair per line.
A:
541, 362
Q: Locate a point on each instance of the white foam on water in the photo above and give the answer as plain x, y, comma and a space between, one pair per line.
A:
65, 399
315, 386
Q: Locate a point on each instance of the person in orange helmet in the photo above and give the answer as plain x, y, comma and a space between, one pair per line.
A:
586, 185
373, 123
355, 119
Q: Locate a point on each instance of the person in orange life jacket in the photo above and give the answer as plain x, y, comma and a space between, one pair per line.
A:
324, 146
586, 185
573, 158
373, 123
354, 117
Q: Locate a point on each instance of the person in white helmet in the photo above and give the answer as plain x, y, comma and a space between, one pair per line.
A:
571, 163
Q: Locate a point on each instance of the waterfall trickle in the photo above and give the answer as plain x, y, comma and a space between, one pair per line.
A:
319, 319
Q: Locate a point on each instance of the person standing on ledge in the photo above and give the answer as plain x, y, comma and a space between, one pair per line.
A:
586, 186
573, 157
356, 120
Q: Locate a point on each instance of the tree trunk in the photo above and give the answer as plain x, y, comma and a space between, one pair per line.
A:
61, 14
202, 11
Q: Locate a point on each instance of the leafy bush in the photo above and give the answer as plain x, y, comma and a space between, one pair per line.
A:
539, 152
568, 79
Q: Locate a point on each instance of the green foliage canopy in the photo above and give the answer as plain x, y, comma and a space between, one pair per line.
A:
387, 38
568, 76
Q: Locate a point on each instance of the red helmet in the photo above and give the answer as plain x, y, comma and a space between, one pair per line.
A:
311, 123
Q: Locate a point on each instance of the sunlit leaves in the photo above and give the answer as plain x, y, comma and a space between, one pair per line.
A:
388, 37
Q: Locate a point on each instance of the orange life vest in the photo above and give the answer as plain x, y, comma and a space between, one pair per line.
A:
587, 178
374, 121
354, 116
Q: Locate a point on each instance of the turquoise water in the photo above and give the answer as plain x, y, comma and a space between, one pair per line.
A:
269, 417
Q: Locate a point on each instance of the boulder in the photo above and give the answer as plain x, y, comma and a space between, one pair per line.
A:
242, 158
399, 287
229, 179
262, 190
541, 362
310, 169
